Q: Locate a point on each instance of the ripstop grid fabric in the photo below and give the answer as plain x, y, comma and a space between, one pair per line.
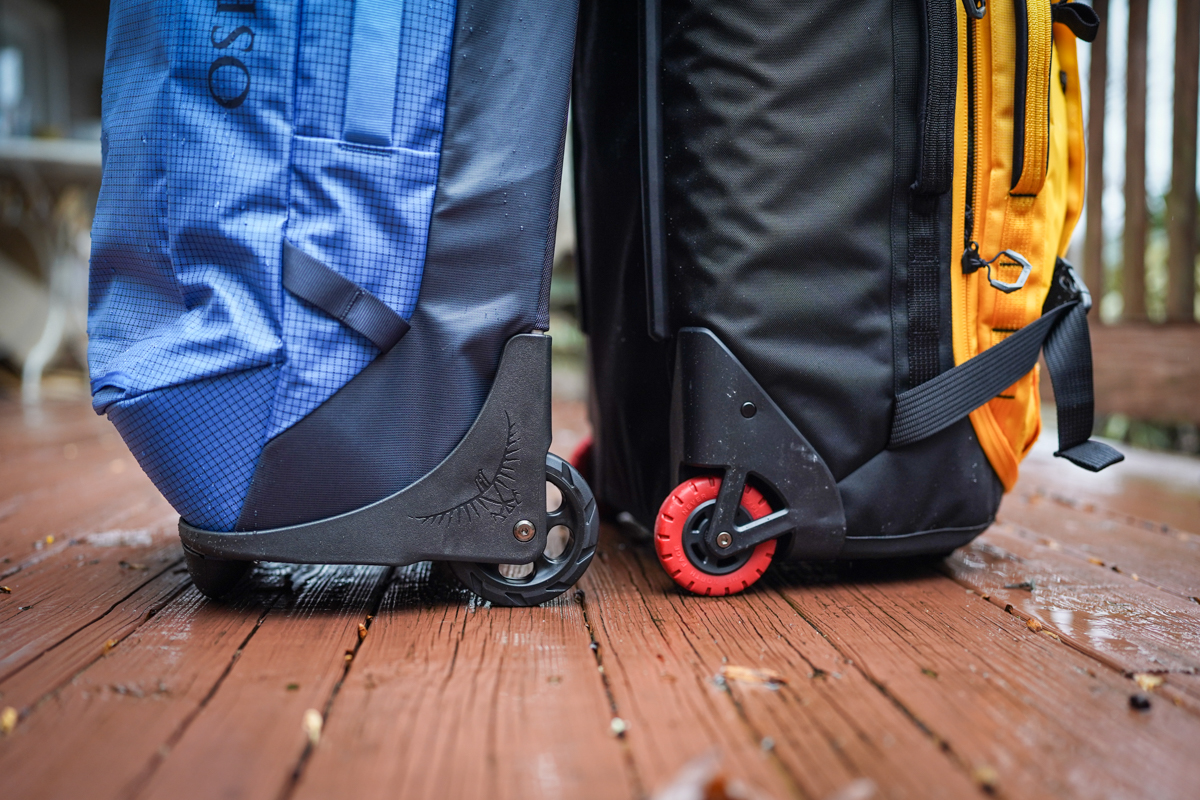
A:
361, 210
221, 138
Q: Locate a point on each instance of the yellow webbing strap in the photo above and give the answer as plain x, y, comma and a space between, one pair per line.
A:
1037, 99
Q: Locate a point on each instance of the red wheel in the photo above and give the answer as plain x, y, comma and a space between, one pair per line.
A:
581, 458
679, 531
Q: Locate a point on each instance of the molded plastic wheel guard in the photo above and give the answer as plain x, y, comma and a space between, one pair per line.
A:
674, 515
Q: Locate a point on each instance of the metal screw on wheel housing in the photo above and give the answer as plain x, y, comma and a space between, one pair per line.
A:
551, 574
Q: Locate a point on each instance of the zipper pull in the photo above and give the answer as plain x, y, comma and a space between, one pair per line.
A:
972, 262
975, 8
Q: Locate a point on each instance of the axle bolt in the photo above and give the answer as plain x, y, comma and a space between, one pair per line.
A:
524, 530
724, 540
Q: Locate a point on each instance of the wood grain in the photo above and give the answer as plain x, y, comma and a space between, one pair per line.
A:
1047, 721
248, 738
1109, 616
826, 725
450, 698
70, 590
67, 657
103, 733
1166, 558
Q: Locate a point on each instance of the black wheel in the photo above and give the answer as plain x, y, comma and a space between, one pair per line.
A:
215, 577
563, 562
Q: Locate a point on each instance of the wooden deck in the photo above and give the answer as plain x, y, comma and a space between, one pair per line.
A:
1012, 670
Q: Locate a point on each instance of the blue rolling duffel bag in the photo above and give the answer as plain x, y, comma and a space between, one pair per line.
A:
320, 276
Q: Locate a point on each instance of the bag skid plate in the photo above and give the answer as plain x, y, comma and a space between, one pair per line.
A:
722, 419
465, 509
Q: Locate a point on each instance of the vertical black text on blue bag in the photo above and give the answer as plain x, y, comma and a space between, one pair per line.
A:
232, 62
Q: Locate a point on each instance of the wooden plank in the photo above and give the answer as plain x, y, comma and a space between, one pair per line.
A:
661, 686
449, 698
1181, 204
1133, 269
1093, 243
97, 510
71, 590
1148, 372
62, 661
826, 727
1152, 490
1109, 616
253, 726
99, 735
1169, 560
1016, 707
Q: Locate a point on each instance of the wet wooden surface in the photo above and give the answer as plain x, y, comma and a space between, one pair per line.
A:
1006, 671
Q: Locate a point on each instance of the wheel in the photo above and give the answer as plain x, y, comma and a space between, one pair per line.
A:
574, 531
581, 458
215, 577
679, 539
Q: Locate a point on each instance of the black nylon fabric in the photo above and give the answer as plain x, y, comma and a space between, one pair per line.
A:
630, 468
778, 135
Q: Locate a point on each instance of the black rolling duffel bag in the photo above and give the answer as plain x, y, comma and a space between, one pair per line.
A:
821, 248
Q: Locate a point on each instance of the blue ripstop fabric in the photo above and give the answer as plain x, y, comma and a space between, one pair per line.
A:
371, 85
224, 132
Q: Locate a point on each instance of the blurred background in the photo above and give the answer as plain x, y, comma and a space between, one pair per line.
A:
1137, 243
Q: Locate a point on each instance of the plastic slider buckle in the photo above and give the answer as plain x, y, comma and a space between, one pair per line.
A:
975, 8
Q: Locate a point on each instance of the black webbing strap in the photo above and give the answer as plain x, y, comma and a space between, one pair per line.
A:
935, 164
923, 295
1069, 357
938, 403
935, 174
341, 298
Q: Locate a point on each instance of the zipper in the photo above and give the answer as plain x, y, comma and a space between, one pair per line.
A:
1020, 89
975, 12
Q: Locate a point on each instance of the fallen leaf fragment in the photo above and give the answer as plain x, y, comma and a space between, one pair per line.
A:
312, 725
291, 687
131, 565
362, 631
1033, 625
1096, 561
986, 776
762, 677
50, 539
5, 590
926, 671
109, 645
8, 720
1147, 681
702, 779
857, 789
